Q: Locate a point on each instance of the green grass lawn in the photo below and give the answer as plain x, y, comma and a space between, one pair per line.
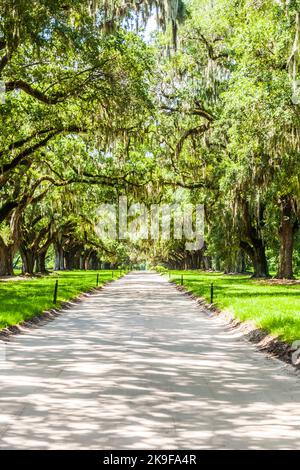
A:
274, 307
24, 298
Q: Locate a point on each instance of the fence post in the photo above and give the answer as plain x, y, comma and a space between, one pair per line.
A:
112, 274
97, 279
182, 279
55, 292
212, 293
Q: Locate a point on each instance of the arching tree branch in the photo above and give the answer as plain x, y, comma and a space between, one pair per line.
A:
194, 131
27, 88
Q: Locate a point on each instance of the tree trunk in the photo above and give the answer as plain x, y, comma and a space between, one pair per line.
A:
87, 260
287, 231
81, 262
257, 254
41, 262
260, 263
242, 262
72, 257
240, 266
207, 262
93, 262
69, 260
28, 259
253, 243
77, 258
59, 259
6, 260
84, 261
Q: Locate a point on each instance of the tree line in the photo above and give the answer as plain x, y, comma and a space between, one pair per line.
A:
207, 108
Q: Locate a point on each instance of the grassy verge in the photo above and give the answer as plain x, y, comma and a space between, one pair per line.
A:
273, 307
22, 299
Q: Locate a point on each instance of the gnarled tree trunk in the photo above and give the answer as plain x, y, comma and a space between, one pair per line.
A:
287, 229
93, 261
28, 259
59, 264
257, 253
6, 259
251, 240
40, 261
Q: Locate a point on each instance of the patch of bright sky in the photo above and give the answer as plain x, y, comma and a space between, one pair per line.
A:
151, 28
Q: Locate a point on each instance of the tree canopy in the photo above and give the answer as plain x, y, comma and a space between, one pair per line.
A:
204, 110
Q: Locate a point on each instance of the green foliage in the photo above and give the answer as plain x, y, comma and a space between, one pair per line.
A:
271, 307
160, 269
23, 299
93, 112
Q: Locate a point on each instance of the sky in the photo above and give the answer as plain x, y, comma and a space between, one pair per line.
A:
150, 28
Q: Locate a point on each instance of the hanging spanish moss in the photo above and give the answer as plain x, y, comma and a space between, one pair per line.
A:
107, 14
293, 61
167, 12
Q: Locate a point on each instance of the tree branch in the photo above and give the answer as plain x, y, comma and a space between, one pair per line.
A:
194, 112
27, 88
194, 131
28, 151
21, 142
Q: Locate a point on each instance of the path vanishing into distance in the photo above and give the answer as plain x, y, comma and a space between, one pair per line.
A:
140, 365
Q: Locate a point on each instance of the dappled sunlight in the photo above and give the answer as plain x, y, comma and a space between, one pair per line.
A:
139, 365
